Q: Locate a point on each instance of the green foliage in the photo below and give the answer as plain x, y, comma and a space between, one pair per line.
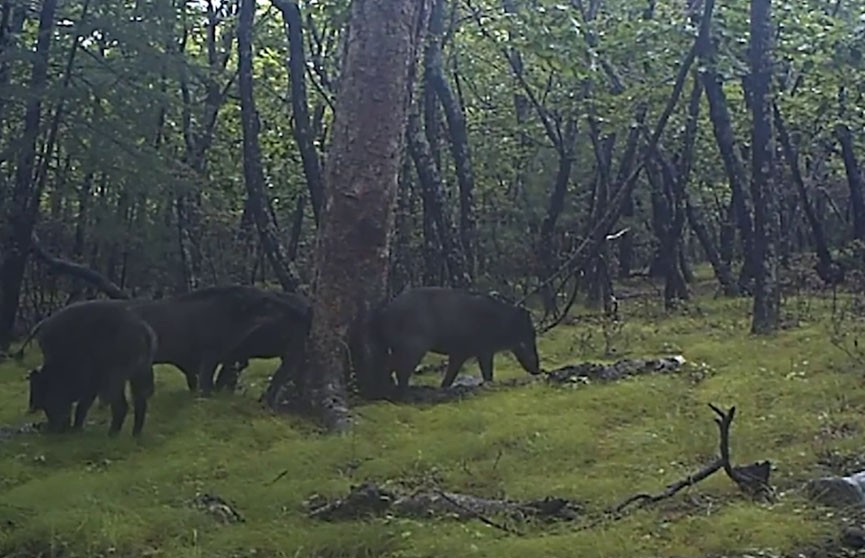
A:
597, 444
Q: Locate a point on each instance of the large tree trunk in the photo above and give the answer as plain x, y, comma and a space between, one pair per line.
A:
361, 176
767, 294
24, 206
252, 171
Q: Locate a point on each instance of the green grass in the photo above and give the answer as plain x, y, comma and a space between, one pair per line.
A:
93, 496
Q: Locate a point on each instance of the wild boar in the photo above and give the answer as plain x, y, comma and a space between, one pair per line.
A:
453, 322
91, 349
283, 337
196, 330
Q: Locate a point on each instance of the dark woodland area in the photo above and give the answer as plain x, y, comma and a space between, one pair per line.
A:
608, 214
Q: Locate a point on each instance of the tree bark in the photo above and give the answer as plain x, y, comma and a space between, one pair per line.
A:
361, 176
23, 209
767, 294
252, 170
303, 131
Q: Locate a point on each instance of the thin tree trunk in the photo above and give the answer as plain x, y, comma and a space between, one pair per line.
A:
430, 180
296, 227
694, 214
826, 268
24, 207
198, 140
719, 113
459, 141
767, 294
854, 180
629, 155
302, 128
672, 189
546, 246
253, 173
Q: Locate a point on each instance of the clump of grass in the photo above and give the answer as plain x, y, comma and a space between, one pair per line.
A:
597, 444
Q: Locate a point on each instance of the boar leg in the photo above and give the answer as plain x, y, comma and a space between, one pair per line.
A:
81, 410
229, 373
404, 360
191, 380
205, 375
485, 361
58, 418
142, 388
455, 362
119, 408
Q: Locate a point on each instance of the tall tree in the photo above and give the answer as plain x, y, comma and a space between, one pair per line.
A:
767, 297
361, 177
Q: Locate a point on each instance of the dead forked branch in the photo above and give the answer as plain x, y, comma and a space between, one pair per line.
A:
644, 498
753, 479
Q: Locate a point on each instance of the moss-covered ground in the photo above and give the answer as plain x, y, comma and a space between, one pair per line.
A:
798, 397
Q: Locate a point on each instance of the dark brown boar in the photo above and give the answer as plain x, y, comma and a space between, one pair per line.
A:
454, 322
282, 337
91, 349
196, 330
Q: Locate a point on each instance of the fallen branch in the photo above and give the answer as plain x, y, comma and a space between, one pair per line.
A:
371, 500
644, 498
59, 265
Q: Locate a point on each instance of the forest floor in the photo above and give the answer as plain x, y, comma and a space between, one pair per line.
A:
800, 402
